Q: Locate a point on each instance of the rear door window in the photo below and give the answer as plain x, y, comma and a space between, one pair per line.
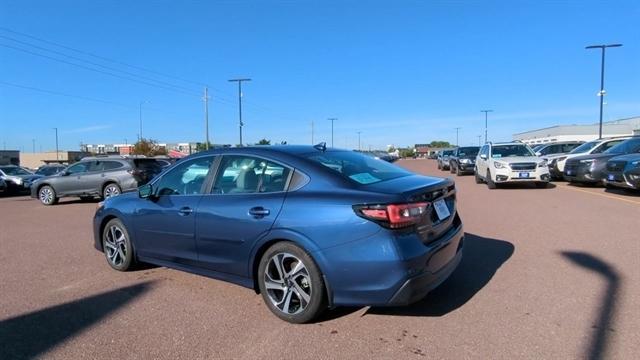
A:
248, 174
111, 165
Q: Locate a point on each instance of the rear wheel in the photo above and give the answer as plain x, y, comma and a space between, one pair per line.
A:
490, 183
439, 166
116, 245
451, 169
458, 172
111, 190
47, 195
291, 283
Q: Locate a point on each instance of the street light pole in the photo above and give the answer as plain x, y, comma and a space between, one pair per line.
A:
457, 130
602, 92
206, 117
56, 129
239, 81
332, 120
140, 134
485, 123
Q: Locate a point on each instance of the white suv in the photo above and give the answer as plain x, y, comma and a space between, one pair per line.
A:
510, 162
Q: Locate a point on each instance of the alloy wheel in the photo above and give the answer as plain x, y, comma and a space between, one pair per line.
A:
111, 190
115, 245
288, 283
46, 195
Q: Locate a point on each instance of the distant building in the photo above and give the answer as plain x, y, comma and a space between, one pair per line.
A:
35, 160
622, 127
9, 157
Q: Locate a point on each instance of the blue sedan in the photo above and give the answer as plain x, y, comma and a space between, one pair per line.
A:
308, 227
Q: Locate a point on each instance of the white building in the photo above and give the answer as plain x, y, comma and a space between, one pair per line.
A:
622, 127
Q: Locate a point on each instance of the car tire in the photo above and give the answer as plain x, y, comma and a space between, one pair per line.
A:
458, 172
110, 190
116, 245
478, 178
439, 167
542, 185
451, 169
47, 195
286, 271
490, 183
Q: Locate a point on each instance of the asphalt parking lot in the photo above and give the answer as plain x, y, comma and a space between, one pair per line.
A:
547, 273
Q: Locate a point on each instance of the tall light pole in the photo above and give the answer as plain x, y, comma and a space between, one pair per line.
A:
359, 140
206, 117
457, 131
601, 93
240, 123
485, 123
140, 134
332, 120
56, 129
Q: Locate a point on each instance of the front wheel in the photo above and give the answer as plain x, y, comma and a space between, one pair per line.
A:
47, 195
116, 245
451, 169
490, 183
291, 283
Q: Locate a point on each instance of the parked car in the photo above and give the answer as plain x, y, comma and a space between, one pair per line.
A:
443, 159
561, 147
96, 176
463, 160
3, 186
17, 179
513, 162
557, 162
623, 172
307, 227
50, 169
591, 169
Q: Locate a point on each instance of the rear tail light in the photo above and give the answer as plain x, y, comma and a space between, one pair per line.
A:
393, 216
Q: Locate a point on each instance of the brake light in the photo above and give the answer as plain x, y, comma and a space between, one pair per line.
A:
394, 216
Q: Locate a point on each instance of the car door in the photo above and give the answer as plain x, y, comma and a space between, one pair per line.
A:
481, 160
69, 183
247, 195
91, 180
165, 223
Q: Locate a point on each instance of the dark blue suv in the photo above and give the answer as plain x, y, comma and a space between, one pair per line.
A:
308, 227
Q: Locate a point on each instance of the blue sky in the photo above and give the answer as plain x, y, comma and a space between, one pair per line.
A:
401, 72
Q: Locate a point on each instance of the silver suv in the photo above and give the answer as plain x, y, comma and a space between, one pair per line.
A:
96, 176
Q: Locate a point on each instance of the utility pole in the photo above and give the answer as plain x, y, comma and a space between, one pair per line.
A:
602, 92
332, 120
239, 81
312, 140
485, 123
206, 117
359, 140
56, 129
140, 134
457, 130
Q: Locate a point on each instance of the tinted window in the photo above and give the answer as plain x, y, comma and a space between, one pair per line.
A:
468, 151
49, 170
625, 147
502, 151
585, 147
186, 178
357, 167
95, 166
78, 168
111, 165
246, 175
14, 170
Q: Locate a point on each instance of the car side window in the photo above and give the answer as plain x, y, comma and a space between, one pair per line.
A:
606, 146
111, 165
185, 179
78, 168
95, 166
246, 175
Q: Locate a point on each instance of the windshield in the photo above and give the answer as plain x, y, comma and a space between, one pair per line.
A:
468, 151
626, 147
585, 147
537, 147
14, 170
502, 151
360, 168
447, 152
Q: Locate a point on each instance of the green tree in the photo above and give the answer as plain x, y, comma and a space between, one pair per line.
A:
440, 144
148, 147
203, 146
264, 142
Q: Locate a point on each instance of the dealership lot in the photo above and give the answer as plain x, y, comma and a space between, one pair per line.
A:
547, 273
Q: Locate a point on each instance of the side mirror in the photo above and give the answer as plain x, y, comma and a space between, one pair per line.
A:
145, 191
538, 153
483, 156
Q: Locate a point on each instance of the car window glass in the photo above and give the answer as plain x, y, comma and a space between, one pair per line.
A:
78, 168
186, 178
246, 175
609, 145
95, 166
111, 165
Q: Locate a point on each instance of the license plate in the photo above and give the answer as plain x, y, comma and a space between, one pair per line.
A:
611, 177
523, 175
441, 209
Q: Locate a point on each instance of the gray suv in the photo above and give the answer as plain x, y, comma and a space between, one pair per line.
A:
96, 176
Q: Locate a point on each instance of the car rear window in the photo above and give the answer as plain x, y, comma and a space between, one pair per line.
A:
358, 167
151, 165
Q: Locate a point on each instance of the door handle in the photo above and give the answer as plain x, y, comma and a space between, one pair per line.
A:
259, 211
185, 211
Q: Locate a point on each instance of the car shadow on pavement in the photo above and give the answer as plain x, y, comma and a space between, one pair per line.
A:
481, 259
524, 186
603, 326
30, 335
623, 192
